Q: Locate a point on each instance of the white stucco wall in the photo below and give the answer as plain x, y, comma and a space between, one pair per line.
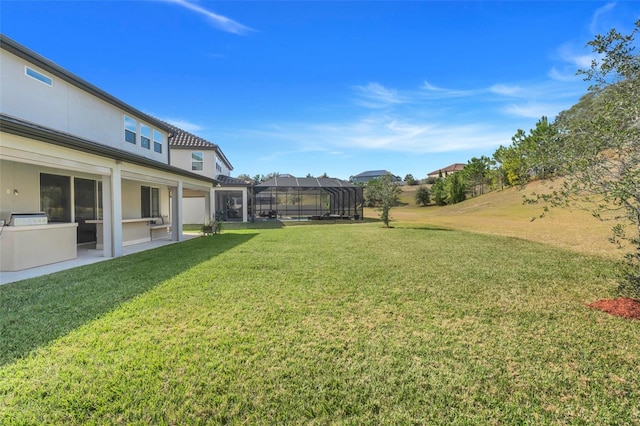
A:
66, 108
193, 211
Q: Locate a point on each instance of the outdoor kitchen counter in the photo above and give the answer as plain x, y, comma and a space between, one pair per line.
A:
23, 247
134, 231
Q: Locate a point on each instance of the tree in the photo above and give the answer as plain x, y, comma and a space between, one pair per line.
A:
422, 196
599, 145
539, 148
244, 177
438, 192
476, 172
410, 180
386, 192
455, 188
514, 160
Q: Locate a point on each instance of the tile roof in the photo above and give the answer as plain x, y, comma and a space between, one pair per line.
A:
182, 139
456, 167
228, 180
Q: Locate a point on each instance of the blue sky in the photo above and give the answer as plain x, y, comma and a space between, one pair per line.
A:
328, 86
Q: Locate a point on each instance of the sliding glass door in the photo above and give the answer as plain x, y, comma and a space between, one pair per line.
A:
85, 208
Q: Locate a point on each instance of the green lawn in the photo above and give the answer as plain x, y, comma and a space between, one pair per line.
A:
353, 324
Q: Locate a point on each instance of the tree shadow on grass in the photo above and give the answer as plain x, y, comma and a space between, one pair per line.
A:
427, 228
37, 311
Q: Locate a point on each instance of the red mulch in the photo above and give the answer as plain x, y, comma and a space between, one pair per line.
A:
622, 307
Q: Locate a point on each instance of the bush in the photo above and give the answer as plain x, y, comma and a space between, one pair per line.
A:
423, 197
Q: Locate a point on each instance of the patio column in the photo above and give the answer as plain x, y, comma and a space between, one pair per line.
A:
112, 213
207, 206
244, 205
176, 213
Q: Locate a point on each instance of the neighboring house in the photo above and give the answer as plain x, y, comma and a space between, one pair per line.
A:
97, 167
454, 168
231, 196
365, 177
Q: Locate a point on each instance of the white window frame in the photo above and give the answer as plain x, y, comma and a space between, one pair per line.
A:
145, 136
195, 161
158, 141
38, 76
128, 129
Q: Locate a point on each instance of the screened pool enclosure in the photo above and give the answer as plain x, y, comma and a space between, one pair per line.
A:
286, 197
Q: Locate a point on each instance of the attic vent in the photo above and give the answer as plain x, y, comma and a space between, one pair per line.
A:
38, 76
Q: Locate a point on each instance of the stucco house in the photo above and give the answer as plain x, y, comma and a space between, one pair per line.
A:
232, 198
444, 172
79, 166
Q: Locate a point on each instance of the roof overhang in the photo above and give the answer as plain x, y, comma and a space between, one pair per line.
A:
29, 130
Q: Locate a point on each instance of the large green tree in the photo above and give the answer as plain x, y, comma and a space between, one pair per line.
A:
476, 173
599, 148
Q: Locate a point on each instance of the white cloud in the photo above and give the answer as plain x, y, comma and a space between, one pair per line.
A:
381, 132
439, 92
535, 110
577, 57
594, 27
564, 76
221, 22
506, 90
184, 124
375, 95
418, 122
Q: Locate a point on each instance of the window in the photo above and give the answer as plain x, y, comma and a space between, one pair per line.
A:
145, 136
38, 76
157, 141
218, 166
55, 197
150, 202
197, 161
130, 129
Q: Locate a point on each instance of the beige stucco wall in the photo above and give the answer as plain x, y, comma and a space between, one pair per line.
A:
29, 246
25, 179
22, 160
181, 157
132, 201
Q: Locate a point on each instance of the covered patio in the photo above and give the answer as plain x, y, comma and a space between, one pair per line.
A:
286, 197
86, 255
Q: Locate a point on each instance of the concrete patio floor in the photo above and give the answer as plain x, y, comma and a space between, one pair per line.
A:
86, 256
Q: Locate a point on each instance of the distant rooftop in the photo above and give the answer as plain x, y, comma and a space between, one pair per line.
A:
456, 167
373, 173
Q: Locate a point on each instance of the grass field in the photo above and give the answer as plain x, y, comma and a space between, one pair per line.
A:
504, 213
317, 324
